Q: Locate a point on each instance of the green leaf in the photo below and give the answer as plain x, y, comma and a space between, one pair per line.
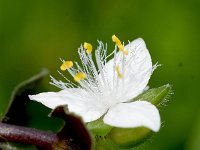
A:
129, 137
99, 128
16, 112
105, 144
22, 111
157, 96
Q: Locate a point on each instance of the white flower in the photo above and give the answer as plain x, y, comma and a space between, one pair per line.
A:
105, 89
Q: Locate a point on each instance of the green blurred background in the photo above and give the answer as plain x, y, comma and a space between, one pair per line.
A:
35, 34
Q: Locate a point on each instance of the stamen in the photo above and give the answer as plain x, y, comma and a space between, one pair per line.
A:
119, 44
66, 65
118, 72
79, 76
116, 40
88, 47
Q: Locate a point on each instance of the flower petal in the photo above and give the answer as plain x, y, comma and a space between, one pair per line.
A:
136, 69
78, 101
134, 114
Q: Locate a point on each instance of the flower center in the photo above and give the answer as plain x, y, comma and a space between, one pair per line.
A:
94, 77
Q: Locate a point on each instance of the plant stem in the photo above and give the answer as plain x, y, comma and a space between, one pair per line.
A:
13, 133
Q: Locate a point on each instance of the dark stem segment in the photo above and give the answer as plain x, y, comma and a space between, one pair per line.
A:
13, 133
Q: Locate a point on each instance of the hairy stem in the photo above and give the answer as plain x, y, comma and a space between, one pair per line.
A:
13, 133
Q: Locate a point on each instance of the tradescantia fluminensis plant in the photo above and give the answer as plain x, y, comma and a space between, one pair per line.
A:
110, 94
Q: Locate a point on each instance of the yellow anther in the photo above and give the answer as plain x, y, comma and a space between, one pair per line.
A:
118, 72
80, 76
88, 47
116, 40
119, 44
66, 65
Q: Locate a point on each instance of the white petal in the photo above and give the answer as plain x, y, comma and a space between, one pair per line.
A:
134, 114
137, 70
78, 101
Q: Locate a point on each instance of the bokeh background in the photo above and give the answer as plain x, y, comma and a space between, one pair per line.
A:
35, 34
